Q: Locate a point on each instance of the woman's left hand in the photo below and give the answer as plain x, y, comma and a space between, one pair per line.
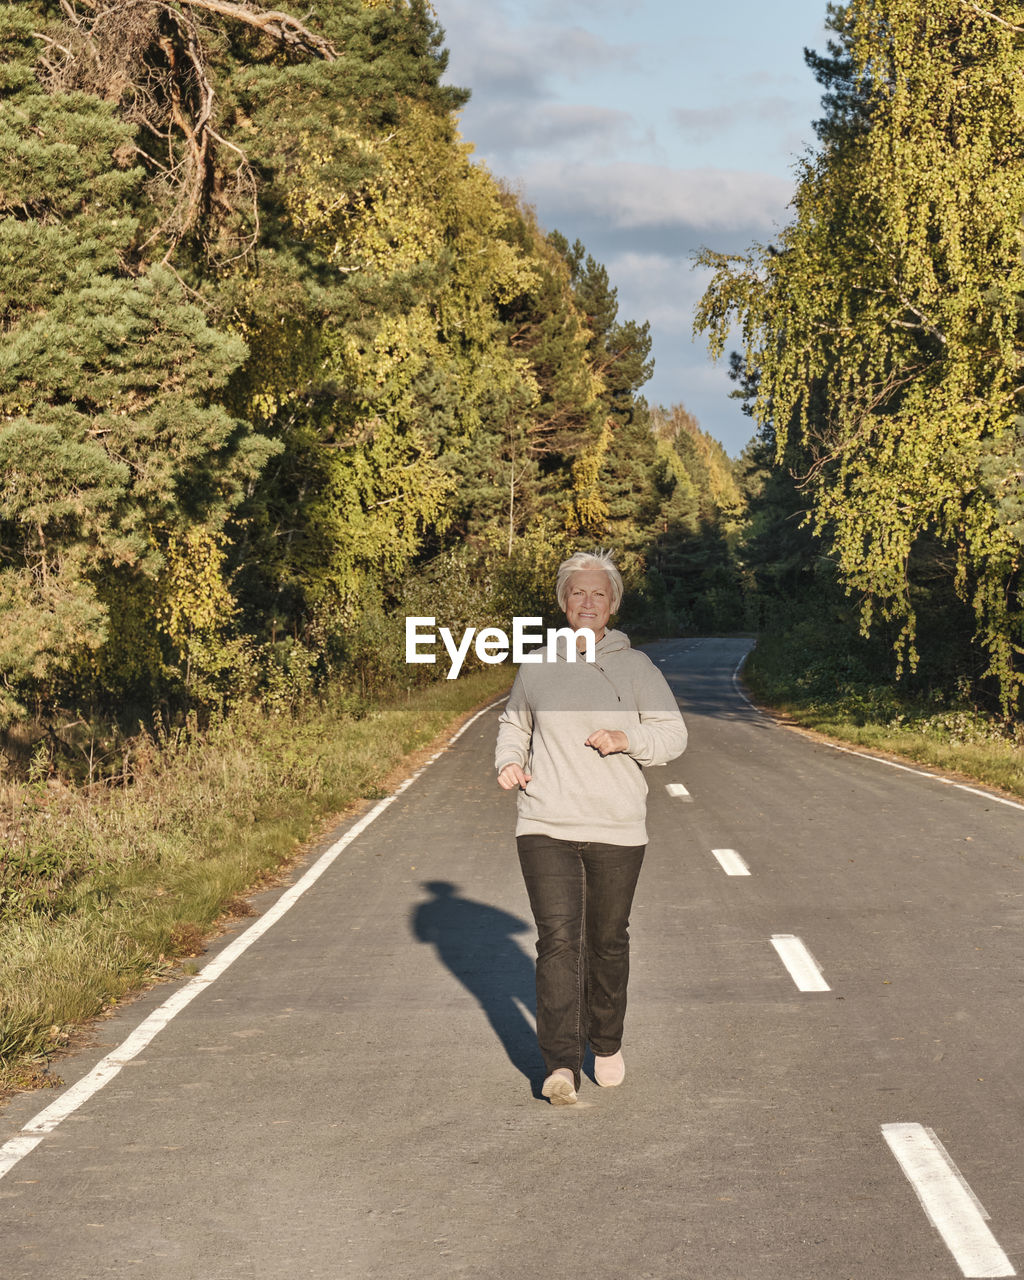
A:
608, 741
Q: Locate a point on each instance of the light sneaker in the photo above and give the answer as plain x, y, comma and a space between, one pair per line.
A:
559, 1088
609, 1071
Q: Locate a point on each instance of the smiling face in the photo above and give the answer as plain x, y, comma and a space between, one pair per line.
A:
589, 601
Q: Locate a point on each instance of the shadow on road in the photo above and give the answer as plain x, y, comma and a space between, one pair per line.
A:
476, 942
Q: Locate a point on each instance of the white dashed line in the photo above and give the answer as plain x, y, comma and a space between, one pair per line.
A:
677, 791
107, 1068
731, 862
952, 1207
803, 968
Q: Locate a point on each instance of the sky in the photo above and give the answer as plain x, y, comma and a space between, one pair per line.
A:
648, 129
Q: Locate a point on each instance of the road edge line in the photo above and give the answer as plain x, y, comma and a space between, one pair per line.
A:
923, 773
739, 687
816, 736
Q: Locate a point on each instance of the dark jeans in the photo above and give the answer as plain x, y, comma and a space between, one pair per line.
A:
581, 893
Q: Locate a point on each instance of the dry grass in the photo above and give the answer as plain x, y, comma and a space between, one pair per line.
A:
997, 763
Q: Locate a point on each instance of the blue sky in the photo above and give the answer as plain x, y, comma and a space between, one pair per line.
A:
647, 129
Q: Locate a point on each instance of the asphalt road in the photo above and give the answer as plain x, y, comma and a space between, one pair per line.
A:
356, 1096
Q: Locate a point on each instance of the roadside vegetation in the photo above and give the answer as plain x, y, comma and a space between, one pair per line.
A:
280, 365
106, 889
882, 546
797, 673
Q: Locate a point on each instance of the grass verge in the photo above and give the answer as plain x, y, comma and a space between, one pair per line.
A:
103, 892
820, 696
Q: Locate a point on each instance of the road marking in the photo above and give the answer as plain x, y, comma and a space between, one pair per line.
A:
107, 1068
677, 791
952, 1207
803, 968
736, 681
731, 862
866, 755
922, 773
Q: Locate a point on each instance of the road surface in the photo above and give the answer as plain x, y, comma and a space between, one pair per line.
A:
824, 1048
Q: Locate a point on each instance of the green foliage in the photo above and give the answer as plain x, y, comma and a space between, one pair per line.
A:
294, 361
884, 329
281, 365
111, 441
614, 479
693, 577
816, 669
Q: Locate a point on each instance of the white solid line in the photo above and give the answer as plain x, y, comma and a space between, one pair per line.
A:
107, 1068
921, 773
677, 791
731, 862
952, 1207
893, 764
803, 968
736, 682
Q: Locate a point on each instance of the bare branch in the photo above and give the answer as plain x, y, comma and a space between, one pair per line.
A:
926, 323
984, 13
279, 26
150, 58
39, 35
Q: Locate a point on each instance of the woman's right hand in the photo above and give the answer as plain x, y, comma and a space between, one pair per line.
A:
513, 776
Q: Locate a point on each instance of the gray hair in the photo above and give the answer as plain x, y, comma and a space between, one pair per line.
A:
583, 560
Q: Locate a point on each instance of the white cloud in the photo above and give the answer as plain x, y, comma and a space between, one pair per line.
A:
699, 124
702, 124
657, 287
520, 63
625, 196
664, 289
587, 8
551, 127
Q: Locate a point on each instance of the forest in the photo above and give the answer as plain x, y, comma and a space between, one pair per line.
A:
882, 355
282, 364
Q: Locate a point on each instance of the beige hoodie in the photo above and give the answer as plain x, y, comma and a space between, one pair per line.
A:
574, 793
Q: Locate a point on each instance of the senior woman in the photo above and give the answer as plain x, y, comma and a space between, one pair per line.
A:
573, 739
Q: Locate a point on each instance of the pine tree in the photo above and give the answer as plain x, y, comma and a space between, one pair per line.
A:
290, 345
624, 460
111, 443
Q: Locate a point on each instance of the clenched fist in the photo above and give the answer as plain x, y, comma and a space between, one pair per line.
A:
512, 776
608, 741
